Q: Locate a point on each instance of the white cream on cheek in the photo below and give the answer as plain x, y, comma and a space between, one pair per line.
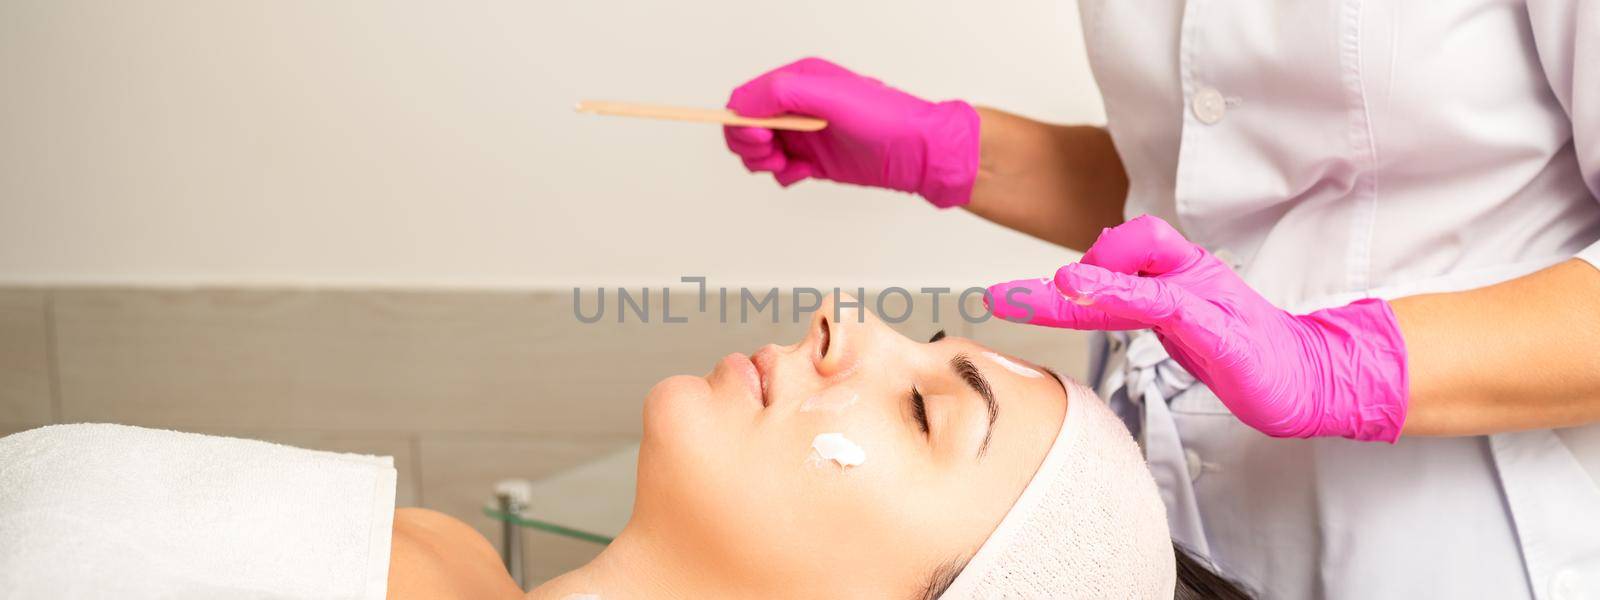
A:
1012, 366
834, 402
837, 448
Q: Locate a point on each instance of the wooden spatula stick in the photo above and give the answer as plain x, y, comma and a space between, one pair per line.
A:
699, 115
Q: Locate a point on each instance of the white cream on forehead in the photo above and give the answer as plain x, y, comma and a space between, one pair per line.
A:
839, 449
1013, 366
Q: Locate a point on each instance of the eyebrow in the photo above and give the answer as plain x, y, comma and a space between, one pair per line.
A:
974, 379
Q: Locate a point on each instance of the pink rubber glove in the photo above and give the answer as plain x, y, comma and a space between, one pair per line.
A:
1335, 372
876, 135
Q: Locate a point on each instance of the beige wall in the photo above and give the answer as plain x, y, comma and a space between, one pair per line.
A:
412, 143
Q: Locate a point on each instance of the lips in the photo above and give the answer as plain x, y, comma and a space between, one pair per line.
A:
745, 372
765, 361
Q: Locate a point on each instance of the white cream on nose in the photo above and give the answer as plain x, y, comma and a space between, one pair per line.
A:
834, 403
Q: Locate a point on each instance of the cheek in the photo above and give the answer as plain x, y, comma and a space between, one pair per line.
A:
865, 504
727, 485
909, 506
873, 527
856, 426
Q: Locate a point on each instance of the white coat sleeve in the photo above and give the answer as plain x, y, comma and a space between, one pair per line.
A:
1566, 34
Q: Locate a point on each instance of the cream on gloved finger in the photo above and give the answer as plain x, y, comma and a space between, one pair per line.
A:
1334, 372
876, 135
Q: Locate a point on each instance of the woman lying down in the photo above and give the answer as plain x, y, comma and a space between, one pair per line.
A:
854, 464
858, 463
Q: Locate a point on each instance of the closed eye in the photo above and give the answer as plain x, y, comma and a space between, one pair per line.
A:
919, 410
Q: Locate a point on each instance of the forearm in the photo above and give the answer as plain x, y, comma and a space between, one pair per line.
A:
1523, 354
1061, 184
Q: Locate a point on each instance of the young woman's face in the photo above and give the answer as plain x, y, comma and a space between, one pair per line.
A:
729, 476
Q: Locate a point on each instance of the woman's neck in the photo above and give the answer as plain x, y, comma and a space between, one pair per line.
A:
632, 566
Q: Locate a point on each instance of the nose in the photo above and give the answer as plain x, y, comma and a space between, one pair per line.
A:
838, 331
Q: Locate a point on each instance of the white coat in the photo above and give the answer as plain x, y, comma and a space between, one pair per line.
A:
1339, 149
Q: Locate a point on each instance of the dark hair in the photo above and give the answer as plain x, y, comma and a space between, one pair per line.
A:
942, 578
1196, 580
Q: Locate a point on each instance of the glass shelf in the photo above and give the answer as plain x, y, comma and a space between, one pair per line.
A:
589, 502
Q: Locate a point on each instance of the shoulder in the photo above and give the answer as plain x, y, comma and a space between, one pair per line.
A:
437, 556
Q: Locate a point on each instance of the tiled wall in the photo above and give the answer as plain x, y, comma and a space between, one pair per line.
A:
463, 388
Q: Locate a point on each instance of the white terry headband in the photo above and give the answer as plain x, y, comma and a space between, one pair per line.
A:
1089, 525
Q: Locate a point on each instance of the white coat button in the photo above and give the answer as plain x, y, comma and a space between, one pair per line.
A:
1195, 464
1209, 105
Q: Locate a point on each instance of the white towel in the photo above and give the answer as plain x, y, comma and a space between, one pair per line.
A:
110, 511
1091, 524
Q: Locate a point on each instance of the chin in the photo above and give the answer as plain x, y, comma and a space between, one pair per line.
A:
674, 404
682, 456
683, 431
